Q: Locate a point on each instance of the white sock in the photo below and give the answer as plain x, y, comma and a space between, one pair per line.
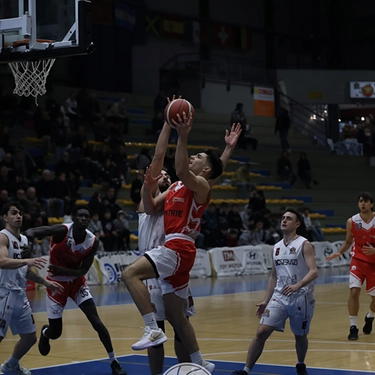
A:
112, 356
248, 370
150, 320
197, 358
12, 362
371, 314
353, 320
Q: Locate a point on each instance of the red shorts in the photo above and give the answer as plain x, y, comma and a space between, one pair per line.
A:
76, 289
361, 271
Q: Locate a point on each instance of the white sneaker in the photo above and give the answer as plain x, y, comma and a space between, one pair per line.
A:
18, 370
151, 337
209, 366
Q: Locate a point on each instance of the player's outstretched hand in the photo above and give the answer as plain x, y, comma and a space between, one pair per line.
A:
260, 309
184, 123
231, 137
149, 181
39, 263
333, 256
54, 286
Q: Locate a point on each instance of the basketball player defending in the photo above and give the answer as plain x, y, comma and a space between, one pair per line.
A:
184, 205
290, 293
360, 231
72, 252
151, 235
15, 310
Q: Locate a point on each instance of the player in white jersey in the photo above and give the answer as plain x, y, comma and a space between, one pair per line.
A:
290, 293
15, 310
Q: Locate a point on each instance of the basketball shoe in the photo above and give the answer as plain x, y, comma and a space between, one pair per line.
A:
301, 369
18, 370
43, 345
117, 369
151, 337
353, 333
367, 328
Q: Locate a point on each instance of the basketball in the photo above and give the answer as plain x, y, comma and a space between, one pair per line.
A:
187, 369
175, 107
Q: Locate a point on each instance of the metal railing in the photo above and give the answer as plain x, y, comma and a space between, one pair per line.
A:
305, 120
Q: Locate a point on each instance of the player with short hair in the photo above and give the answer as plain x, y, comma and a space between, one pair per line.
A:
151, 234
360, 232
15, 310
72, 252
290, 293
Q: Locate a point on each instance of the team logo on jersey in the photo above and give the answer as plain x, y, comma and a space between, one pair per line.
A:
266, 313
353, 268
15, 245
277, 252
358, 226
292, 250
178, 200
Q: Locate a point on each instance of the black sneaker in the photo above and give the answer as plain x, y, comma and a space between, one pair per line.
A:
367, 328
44, 346
301, 369
117, 369
239, 372
353, 334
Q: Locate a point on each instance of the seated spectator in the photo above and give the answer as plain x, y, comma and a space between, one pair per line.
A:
284, 168
272, 237
120, 157
37, 219
313, 231
65, 165
62, 191
222, 216
304, 170
234, 219
96, 204
45, 193
110, 233
259, 233
135, 190
209, 226
5, 179
110, 202
246, 237
257, 203
71, 109
248, 138
95, 225
117, 114
242, 179
109, 175
246, 216
17, 183
121, 226
101, 249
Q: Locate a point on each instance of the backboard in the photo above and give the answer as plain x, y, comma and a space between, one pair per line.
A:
44, 29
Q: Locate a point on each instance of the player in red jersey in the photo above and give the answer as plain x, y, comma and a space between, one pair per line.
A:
360, 232
184, 205
72, 252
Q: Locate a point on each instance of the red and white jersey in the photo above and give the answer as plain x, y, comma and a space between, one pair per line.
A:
182, 214
363, 232
68, 253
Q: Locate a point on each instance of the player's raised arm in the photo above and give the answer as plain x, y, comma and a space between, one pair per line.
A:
152, 204
57, 231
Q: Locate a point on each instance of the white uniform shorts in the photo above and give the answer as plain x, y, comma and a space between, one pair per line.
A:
15, 312
156, 295
299, 308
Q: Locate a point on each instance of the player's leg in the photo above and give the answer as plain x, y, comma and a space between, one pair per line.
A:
370, 289
155, 355
180, 350
88, 307
19, 318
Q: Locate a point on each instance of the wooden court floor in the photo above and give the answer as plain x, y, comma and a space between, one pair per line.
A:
225, 323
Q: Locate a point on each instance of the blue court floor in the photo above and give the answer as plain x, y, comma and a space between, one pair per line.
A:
138, 365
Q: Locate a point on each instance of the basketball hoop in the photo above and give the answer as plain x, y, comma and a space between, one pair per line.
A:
30, 77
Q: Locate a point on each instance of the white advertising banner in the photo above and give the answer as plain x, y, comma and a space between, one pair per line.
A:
202, 264
267, 253
253, 260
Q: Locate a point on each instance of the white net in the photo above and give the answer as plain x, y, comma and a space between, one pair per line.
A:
30, 77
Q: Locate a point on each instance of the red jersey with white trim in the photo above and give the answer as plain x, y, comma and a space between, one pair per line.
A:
363, 232
182, 214
68, 253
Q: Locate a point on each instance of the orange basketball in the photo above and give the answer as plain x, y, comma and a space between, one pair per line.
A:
175, 107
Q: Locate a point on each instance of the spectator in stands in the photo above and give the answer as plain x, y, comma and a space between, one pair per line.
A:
248, 138
101, 249
17, 183
71, 109
242, 179
109, 231
20, 197
120, 157
246, 214
209, 226
282, 126
246, 237
238, 116
272, 237
109, 175
43, 127
4, 198
117, 114
5, 180
96, 204
8, 109
143, 159
304, 170
135, 190
257, 203
5, 144
222, 216
259, 233
311, 229
234, 219
62, 191
65, 165
8, 162
101, 130
121, 226
96, 226
169, 164
110, 202
34, 209
231, 238
59, 137
19, 163
46, 195
285, 170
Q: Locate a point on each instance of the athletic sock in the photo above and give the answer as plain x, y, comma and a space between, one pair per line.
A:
196, 357
150, 320
112, 356
370, 314
12, 362
353, 320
